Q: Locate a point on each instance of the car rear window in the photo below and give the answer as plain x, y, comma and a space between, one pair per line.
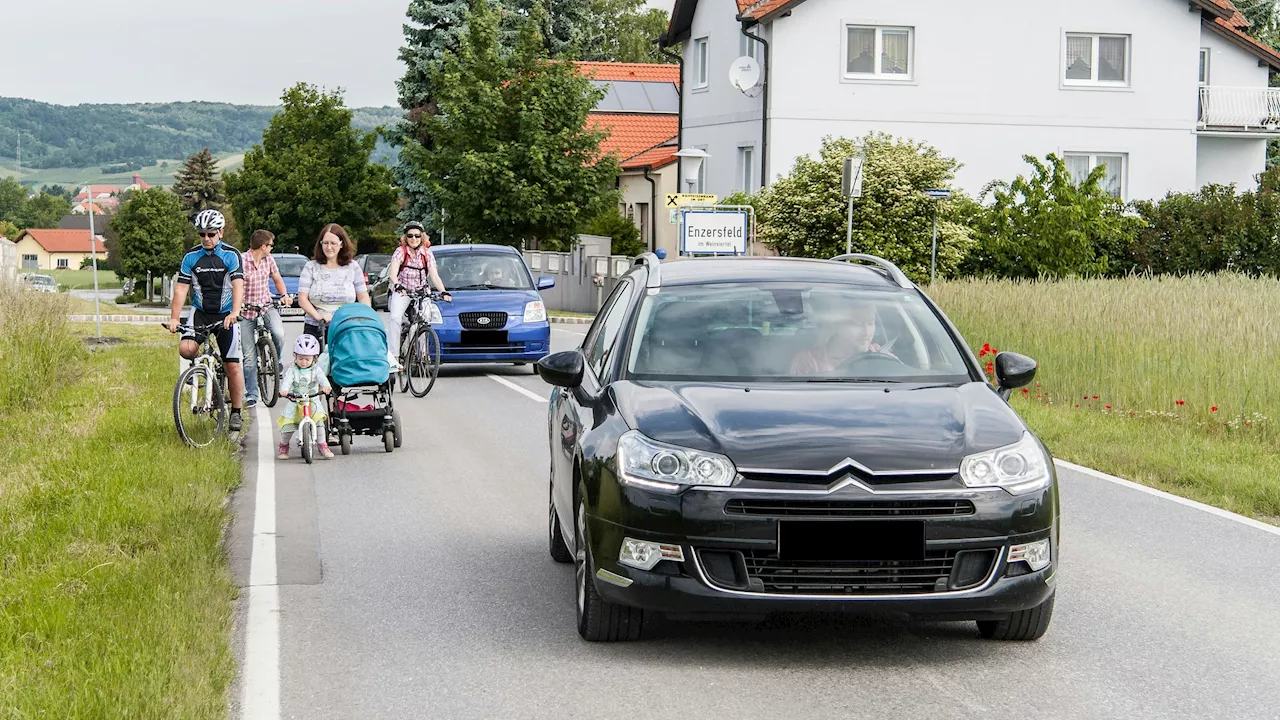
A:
290, 265
791, 332
374, 264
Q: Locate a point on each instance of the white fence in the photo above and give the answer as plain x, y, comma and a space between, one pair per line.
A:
1239, 108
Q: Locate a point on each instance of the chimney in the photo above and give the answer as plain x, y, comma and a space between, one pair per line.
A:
137, 179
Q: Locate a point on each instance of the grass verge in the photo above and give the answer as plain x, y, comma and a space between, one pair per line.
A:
83, 279
1170, 382
115, 598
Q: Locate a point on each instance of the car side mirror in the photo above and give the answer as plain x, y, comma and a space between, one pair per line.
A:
546, 282
1012, 372
562, 369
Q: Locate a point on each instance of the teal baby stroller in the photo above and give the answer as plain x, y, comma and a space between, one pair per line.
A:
359, 367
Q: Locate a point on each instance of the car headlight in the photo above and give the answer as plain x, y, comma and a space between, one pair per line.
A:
1019, 468
658, 466
433, 315
535, 312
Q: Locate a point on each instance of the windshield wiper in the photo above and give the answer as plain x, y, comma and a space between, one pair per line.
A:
472, 287
936, 385
850, 380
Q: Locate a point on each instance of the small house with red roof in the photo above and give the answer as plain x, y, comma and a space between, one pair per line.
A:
640, 114
49, 249
1167, 95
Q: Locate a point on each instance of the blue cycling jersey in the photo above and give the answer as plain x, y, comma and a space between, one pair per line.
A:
210, 273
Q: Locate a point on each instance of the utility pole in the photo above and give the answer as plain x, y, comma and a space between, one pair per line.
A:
851, 187
93, 247
938, 195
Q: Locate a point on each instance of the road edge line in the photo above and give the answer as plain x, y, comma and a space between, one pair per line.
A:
1226, 514
261, 688
517, 388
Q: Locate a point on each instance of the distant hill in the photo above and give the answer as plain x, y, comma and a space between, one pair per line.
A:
112, 140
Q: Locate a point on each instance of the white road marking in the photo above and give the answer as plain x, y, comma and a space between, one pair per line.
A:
571, 332
1255, 524
527, 393
262, 632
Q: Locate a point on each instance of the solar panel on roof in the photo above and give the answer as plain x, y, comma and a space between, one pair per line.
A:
610, 101
632, 96
663, 96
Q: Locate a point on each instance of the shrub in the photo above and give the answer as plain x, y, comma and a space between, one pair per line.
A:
626, 236
1049, 226
805, 215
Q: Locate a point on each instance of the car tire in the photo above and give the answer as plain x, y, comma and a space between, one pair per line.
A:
599, 620
1020, 626
555, 535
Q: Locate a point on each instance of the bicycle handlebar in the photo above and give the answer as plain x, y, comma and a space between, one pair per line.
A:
199, 330
254, 306
424, 292
299, 398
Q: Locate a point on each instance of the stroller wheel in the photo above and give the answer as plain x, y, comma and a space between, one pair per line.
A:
345, 442
388, 440
395, 418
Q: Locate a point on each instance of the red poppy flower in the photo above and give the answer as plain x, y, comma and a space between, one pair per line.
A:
1095, 397
1108, 407
1213, 409
991, 367
1026, 391
1181, 402
1077, 406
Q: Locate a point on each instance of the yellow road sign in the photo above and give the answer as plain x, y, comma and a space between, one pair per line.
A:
675, 200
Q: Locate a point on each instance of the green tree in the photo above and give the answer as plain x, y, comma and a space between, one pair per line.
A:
612, 223
805, 215
513, 161
623, 31
9, 230
149, 231
57, 191
561, 24
198, 186
13, 198
1049, 226
44, 211
311, 168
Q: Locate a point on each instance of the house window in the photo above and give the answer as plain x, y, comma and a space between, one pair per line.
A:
642, 214
63, 263
700, 59
1204, 66
30, 262
878, 52
745, 168
1081, 164
747, 47
1096, 60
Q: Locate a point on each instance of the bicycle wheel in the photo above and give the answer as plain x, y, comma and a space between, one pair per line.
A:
268, 373
403, 380
308, 443
199, 409
424, 361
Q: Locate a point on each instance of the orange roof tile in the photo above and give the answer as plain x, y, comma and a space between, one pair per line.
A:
1234, 29
632, 133
653, 158
63, 241
636, 72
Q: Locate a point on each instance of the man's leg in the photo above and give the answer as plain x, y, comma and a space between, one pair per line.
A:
229, 344
276, 323
248, 361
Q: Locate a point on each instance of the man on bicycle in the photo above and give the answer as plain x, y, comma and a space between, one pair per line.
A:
214, 270
259, 271
412, 266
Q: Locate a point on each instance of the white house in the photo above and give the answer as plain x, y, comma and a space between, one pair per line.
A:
1168, 94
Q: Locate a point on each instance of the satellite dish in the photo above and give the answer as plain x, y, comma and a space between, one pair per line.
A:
744, 74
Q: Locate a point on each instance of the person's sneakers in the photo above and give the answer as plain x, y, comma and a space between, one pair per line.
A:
283, 453
249, 403
325, 451
236, 424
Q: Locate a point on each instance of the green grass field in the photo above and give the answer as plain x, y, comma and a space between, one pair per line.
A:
83, 279
156, 174
1168, 381
115, 596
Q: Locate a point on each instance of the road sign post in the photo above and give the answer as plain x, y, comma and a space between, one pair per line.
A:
851, 187
717, 230
938, 195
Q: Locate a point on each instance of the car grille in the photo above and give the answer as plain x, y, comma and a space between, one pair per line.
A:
850, 508
850, 578
471, 320
447, 349
826, 480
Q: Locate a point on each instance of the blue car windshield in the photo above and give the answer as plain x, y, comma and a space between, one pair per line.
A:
792, 332
290, 265
483, 271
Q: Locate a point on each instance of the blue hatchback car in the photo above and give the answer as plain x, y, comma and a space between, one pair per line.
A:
497, 314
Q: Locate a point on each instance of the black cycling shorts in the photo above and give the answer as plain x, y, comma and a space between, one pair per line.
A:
228, 340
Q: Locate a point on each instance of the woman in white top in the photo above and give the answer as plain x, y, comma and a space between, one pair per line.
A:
330, 280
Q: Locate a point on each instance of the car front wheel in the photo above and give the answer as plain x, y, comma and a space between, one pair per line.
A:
598, 620
1022, 625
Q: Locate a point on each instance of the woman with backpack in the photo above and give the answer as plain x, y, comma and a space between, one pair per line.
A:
412, 266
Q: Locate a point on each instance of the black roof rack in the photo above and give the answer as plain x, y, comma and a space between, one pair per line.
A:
895, 274
653, 265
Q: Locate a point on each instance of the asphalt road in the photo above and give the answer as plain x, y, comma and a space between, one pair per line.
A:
417, 584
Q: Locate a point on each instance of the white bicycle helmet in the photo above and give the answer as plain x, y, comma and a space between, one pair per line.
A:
306, 345
209, 220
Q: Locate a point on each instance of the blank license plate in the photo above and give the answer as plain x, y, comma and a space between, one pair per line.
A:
851, 540
484, 337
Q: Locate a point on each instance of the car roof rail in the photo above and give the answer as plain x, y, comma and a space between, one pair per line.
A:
895, 273
653, 265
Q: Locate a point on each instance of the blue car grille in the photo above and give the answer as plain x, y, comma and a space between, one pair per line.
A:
483, 320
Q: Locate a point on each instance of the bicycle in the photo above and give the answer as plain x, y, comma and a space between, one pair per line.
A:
420, 357
265, 351
306, 426
202, 391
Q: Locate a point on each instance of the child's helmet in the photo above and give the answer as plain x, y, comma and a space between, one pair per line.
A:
306, 345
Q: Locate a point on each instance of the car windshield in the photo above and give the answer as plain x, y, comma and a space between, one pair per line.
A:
374, 264
290, 265
792, 332
483, 271
41, 280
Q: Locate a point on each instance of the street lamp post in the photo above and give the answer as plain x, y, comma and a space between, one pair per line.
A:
694, 167
93, 248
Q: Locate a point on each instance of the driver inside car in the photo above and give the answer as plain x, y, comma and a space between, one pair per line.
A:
494, 276
845, 333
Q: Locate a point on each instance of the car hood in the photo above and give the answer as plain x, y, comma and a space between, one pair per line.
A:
816, 427
511, 302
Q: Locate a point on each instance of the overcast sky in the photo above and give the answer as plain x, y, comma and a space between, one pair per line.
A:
238, 51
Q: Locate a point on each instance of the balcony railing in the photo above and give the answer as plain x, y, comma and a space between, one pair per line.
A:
1239, 108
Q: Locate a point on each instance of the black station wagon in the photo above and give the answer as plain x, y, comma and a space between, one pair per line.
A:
743, 436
